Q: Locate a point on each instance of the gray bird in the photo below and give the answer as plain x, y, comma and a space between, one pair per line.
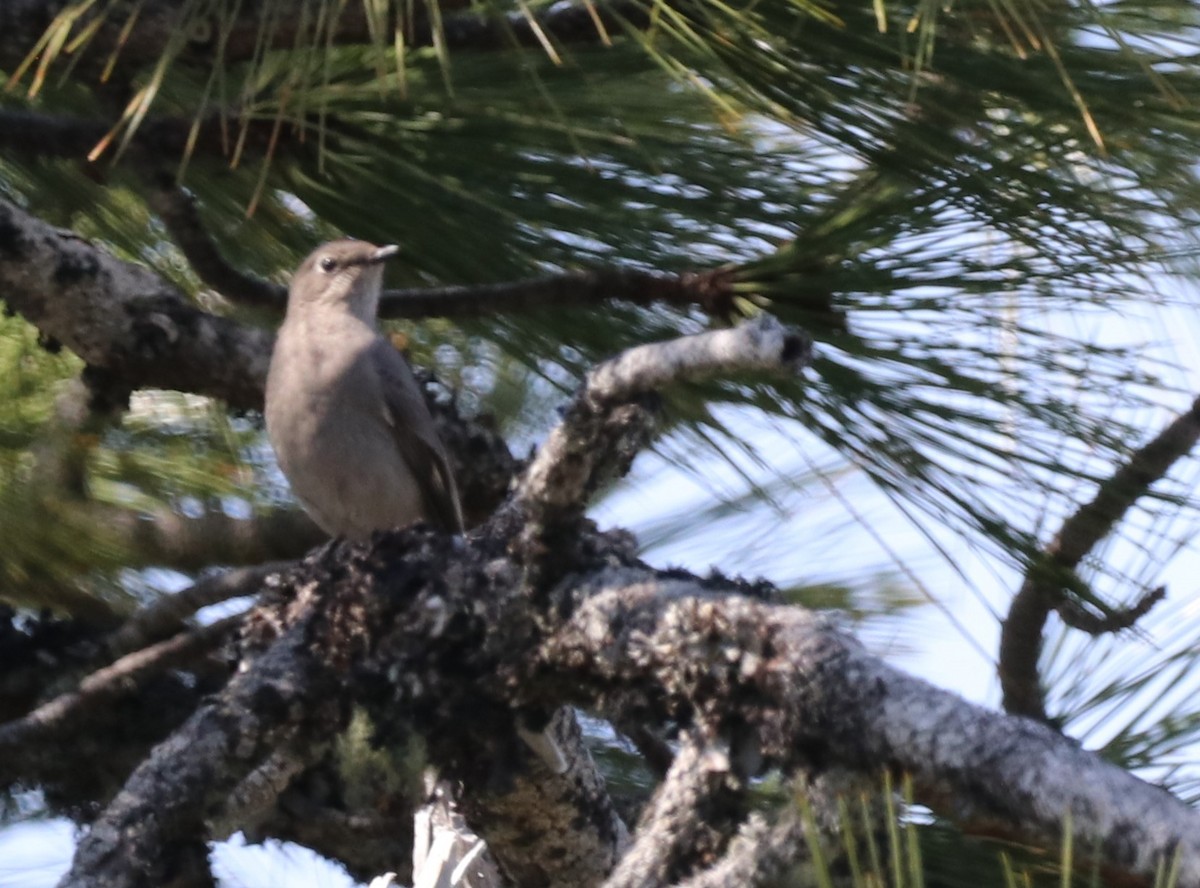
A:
346, 417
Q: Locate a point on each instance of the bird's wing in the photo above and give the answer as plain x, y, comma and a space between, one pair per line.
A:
416, 437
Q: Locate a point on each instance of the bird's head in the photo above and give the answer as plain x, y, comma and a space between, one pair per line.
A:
345, 274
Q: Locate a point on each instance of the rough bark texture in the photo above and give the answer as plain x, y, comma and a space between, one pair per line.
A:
684, 824
805, 694
446, 640
123, 318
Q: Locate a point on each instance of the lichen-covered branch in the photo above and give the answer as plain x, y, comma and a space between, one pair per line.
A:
760, 854
1046, 582
807, 695
780, 686
124, 318
762, 345
607, 423
683, 823
372, 625
154, 831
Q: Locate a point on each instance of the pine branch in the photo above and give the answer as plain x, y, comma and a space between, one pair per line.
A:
708, 290
41, 135
58, 720
1046, 584
166, 614
177, 210
814, 696
23, 22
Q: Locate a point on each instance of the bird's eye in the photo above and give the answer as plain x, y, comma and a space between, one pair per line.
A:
328, 263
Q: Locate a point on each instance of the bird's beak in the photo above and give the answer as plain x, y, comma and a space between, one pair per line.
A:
382, 254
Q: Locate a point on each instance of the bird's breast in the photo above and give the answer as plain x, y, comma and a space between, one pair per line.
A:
332, 441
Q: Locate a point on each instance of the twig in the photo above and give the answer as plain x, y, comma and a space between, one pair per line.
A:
1043, 589
121, 678
177, 210
167, 613
1072, 612
654, 750
709, 290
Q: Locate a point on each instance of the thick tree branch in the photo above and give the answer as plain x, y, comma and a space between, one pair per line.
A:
147, 838
336, 634
379, 622
122, 317
811, 696
1047, 581
532, 823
